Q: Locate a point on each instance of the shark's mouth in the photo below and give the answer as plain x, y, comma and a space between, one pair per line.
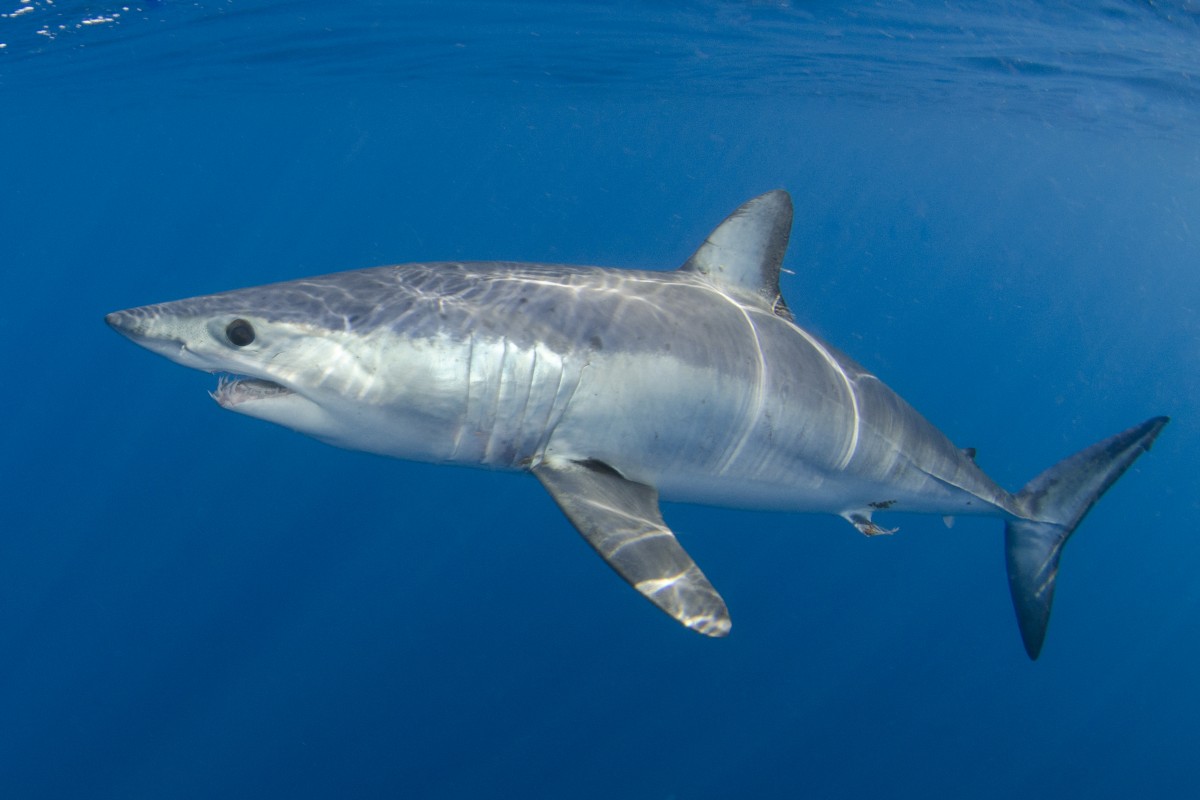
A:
233, 390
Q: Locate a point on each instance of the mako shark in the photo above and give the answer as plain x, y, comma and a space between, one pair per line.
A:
617, 387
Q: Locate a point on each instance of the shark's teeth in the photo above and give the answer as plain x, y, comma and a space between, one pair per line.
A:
232, 390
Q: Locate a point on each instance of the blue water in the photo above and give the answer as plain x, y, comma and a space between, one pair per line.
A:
998, 212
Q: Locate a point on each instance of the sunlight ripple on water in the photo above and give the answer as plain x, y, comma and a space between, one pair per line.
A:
1125, 62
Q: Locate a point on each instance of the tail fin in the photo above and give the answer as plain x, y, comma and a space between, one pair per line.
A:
1055, 503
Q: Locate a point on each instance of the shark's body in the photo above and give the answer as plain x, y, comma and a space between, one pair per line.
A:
614, 387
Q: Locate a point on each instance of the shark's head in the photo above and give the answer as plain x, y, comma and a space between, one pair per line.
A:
301, 354
266, 362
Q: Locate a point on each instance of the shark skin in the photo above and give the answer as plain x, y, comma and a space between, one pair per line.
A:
616, 388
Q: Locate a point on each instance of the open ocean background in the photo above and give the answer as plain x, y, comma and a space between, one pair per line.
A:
998, 212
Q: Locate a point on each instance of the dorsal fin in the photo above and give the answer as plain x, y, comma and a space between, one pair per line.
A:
745, 252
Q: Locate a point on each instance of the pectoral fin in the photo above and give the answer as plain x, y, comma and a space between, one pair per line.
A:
621, 521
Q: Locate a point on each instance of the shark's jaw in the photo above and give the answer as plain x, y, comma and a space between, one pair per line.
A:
234, 390
273, 402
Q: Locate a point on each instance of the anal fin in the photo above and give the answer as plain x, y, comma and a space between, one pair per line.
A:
621, 520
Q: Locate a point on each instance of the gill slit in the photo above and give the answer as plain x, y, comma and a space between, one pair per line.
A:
558, 406
466, 415
491, 415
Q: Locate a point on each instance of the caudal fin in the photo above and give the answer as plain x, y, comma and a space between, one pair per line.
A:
1055, 502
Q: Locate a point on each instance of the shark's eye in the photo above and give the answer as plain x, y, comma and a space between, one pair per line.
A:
239, 333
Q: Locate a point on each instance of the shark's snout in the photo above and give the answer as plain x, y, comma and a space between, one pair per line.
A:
129, 323
145, 329
122, 322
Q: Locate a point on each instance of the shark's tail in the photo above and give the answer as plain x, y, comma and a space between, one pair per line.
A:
1055, 502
